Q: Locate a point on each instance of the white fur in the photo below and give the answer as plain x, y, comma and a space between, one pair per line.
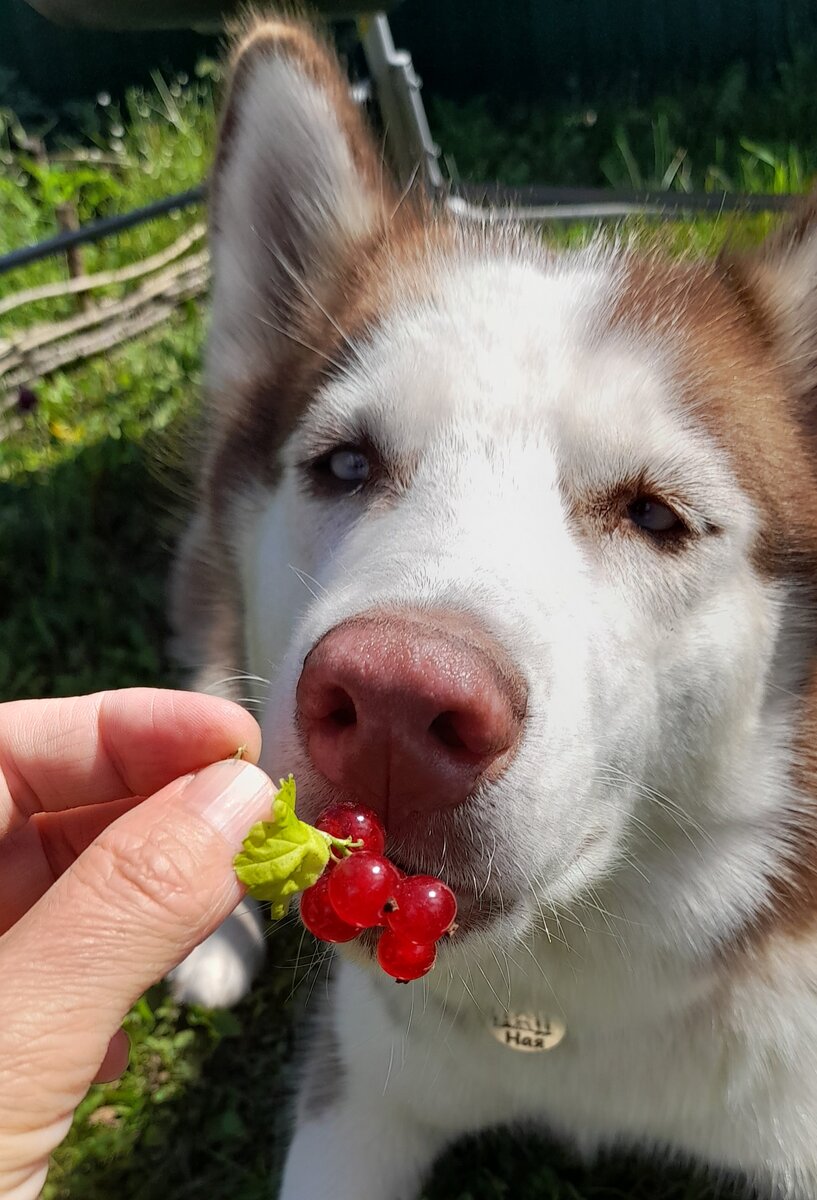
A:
285, 121
634, 832
650, 726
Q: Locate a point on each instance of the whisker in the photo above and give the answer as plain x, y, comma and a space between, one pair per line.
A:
405, 192
404, 1044
524, 946
630, 861
490, 867
652, 793
593, 903
388, 1072
287, 333
652, 835
444, 1004
473, 999
666, 803
303, 577
316, 973
240, 677
301, 283
538, 901
297, 959
505, 978
491, 987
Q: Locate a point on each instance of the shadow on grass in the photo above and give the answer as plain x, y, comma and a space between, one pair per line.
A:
85, 550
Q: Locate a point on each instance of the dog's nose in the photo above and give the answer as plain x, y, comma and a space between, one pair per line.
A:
409, 713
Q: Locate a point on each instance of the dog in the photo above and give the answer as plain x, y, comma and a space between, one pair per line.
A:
527, 542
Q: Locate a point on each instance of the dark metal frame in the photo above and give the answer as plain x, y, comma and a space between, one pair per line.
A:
94, 231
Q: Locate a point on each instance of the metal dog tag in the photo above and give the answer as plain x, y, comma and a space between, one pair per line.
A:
527, 1032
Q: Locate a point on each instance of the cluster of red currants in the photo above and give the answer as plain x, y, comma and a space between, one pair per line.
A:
366, 891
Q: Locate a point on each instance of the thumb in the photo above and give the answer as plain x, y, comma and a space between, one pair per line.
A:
137, 900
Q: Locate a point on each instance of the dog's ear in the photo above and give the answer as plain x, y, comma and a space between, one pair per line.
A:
297, 179
780, 281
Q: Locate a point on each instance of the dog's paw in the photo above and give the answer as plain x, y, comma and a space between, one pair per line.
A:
220, 971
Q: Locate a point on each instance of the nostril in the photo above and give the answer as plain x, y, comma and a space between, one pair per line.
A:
444, 729
476, 735
340, 710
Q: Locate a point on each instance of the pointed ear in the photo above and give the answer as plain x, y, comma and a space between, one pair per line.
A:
297, 181
782, 279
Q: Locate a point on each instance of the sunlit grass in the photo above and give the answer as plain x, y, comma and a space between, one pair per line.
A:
93, 488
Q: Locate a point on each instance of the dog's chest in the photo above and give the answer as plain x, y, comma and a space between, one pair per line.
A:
596, 1058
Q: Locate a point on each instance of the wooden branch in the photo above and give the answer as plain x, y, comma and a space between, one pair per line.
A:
68, 222
134, 315
23, 344
135, 270
95, 157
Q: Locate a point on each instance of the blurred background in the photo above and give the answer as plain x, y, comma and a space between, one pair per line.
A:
100, 373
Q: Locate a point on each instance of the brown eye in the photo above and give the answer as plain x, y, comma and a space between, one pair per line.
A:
654, 517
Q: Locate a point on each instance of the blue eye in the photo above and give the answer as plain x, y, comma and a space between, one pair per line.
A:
654, 517
349, 465
344, 471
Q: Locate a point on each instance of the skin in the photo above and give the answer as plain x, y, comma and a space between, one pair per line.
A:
120, 814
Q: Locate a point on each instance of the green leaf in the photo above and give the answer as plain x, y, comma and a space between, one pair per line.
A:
281, 856
286, 793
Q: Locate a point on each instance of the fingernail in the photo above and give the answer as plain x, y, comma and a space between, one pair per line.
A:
231, 796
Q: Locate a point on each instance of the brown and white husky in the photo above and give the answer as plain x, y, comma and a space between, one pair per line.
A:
527, 543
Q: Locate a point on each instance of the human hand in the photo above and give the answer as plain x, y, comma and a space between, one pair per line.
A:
102, 891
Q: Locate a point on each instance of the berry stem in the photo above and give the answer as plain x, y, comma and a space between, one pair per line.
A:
340, 848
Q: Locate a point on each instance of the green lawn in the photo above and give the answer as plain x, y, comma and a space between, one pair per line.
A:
93, 490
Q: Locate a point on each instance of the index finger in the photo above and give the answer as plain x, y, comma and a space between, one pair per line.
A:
58, 754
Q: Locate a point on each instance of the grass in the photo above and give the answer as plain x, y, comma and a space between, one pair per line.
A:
93, 487
143, 148
712, 137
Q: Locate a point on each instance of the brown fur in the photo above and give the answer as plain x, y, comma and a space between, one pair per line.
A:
735, 361
605, 513
735, 385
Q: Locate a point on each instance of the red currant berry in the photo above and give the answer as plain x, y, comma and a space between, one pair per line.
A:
360, 886
404, 960
356, 822
424, 909
319, 916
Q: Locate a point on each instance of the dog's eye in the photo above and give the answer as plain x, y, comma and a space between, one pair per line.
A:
654, 517
348, 465
344, 470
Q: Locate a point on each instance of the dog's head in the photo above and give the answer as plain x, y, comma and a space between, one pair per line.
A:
520, 538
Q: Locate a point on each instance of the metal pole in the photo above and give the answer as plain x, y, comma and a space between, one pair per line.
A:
92, 231
397, 89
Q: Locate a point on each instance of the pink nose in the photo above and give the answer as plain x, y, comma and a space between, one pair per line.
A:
409, 713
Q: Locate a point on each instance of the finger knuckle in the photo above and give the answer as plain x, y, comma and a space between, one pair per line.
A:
152, 869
